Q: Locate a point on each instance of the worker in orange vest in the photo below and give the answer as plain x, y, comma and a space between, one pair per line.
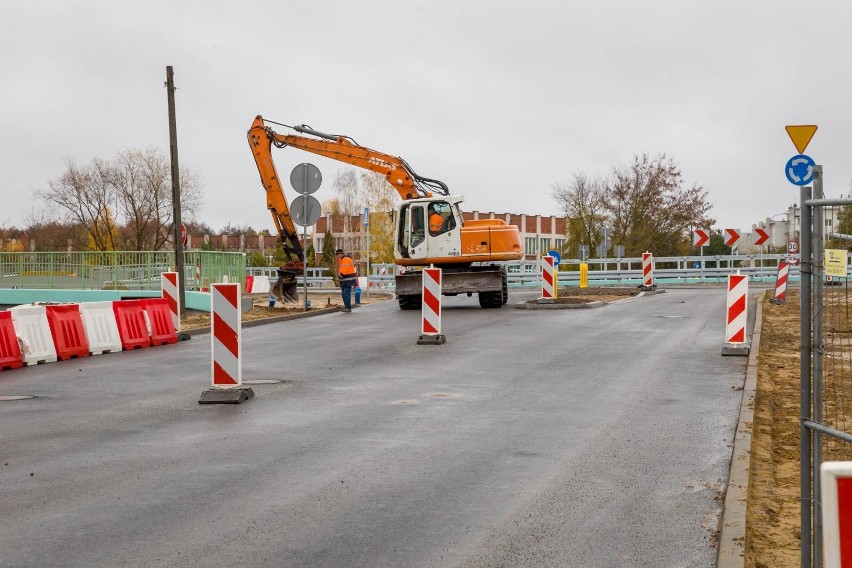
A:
348, 277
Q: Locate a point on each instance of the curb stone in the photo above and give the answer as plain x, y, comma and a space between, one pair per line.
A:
731, 552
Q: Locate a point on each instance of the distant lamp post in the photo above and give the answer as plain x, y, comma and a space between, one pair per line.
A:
770, 222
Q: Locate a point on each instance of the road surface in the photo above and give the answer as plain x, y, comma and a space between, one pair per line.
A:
589, 438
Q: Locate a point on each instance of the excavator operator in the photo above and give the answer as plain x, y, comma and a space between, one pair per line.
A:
435, 223
440, 219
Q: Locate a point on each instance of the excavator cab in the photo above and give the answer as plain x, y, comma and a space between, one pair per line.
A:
430, 229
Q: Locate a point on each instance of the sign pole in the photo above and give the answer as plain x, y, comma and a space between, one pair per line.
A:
367, 227
305, 238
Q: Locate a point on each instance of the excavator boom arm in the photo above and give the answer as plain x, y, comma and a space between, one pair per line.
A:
395, 170
276, 202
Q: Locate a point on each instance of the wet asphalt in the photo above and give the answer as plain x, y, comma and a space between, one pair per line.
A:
589, 438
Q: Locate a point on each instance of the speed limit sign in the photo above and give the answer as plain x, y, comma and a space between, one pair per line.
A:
792, 247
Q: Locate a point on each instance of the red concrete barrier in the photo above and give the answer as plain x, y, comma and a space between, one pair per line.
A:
10, 351
66, 327
130, 318
160, 315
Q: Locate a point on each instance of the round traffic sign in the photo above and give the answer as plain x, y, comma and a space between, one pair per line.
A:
557, 258
800, 169
306, 210
306, 179
792, 247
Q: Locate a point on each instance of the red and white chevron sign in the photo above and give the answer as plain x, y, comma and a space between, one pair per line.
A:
225, 335
169, 285
731, 236
762, 237
700, 237
431, 318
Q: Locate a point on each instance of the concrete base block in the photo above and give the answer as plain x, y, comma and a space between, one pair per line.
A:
777, 301
544, 301
736, 350
439, 339
225, 396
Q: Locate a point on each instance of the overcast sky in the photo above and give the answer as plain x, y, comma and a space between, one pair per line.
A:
498, 99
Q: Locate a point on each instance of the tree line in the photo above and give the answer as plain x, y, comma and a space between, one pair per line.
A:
645, 206
126, 204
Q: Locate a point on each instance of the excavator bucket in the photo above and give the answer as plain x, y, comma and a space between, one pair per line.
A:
285, 289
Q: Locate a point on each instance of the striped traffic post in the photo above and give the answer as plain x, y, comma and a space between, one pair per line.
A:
836, 501
737, 316
781, 283
226, 351
547, 279
647, 270
430, 320
169, 286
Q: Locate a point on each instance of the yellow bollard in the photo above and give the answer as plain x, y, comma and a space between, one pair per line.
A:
555, 280
584, 275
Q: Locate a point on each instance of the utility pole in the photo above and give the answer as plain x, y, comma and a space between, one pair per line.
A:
176, 222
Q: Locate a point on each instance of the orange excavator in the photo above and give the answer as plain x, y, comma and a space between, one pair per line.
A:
429, 228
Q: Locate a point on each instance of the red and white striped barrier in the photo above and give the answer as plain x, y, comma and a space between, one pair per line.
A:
225, 335
169, 285
226, 339
257, 285
10, 351
781, 283
836, 503
430, 326
737, 312
201, 286
647, 269
547, 277
51, 332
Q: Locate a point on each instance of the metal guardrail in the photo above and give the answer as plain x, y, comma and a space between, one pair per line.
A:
609, 271
141, 270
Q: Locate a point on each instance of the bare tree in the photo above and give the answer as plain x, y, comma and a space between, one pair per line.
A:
348, 191
582, 202
86, 195
126, 203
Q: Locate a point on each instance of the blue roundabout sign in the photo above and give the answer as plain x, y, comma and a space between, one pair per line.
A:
800, 169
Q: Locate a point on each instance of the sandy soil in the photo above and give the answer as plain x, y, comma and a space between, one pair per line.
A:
772, 521
574, 295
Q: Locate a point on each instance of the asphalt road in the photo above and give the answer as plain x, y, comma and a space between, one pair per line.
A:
588, 438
